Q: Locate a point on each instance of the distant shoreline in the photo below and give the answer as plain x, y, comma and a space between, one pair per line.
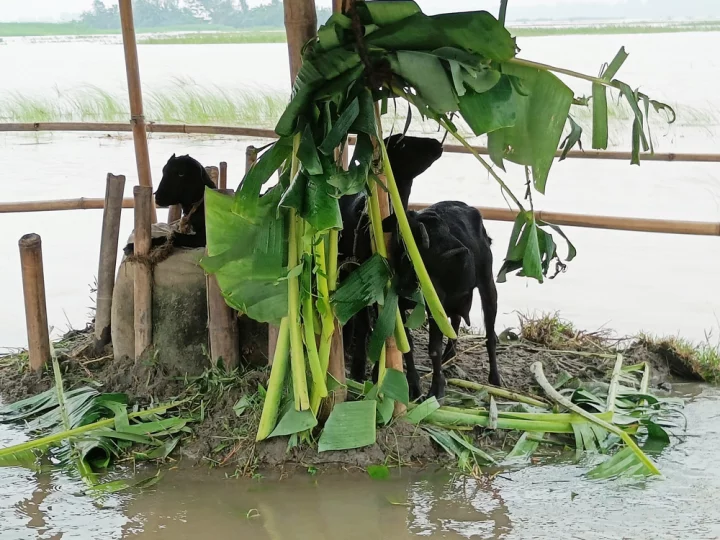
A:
215, 34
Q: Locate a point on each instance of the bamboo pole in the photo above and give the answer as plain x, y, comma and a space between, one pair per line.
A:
588, 221
33, 279
300, 26
251, 154
214, 174
223, 329
137, 117
223, 175
115, 186
143, 270
190, 129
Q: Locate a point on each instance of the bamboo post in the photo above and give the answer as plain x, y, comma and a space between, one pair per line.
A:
137, 117
143, 270
223, 329
223, 175
214, 173
300, 27
250, 157
115, 186
33, 279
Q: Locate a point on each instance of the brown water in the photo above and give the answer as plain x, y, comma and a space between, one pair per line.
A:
552, 501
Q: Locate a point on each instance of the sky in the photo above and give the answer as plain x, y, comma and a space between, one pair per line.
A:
54, 10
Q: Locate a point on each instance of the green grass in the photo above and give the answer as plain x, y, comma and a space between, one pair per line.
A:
610, 29
185, 103
79, 29
218, 38
278, 36
214, 34
701, 358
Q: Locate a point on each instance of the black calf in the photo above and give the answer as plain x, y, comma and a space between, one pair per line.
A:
455, 248
409, 157
183, 182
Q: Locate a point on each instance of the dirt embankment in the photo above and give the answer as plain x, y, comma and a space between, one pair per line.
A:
223, 437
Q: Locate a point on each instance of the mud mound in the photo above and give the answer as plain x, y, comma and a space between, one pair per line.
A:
228, 406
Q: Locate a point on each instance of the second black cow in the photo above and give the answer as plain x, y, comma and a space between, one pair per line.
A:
455, 248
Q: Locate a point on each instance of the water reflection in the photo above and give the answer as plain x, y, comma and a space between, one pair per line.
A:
547, 502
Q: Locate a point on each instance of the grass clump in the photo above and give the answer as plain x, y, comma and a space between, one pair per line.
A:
550, 331
611, 29
217, 38
185, 102
685, 359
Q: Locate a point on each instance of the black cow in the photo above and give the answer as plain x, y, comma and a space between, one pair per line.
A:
409, 157
455, 248
183, 182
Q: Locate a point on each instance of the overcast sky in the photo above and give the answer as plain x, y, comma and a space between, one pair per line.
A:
53, 10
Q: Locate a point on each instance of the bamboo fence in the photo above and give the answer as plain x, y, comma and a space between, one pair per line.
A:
618, 223
259, 133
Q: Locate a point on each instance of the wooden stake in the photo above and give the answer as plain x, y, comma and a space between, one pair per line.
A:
33, 279
251, 154
137, 117
143, 270
223, 326
114, 188
214, 173
223, 175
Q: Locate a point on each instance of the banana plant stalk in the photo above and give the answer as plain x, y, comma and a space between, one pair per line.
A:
297, 354
327, 318
308, 310
275, 384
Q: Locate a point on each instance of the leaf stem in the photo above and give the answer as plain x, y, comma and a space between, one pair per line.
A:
428, 290
537, 371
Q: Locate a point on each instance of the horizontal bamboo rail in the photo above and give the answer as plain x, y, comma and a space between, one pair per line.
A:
698, 228
270, 134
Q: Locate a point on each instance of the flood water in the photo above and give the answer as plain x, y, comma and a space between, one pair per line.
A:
621, 280
664, 284
551, 501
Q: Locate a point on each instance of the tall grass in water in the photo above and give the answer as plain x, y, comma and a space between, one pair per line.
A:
185, 102
217, 38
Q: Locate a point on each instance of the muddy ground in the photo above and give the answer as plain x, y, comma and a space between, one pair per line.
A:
223, 438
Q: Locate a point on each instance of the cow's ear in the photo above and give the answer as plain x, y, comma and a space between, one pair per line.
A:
424, 236
457, 257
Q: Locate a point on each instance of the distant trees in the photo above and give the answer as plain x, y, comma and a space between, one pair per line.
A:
165, 13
